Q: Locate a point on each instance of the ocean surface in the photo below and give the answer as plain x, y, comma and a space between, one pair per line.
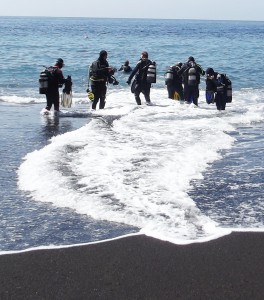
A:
173, 171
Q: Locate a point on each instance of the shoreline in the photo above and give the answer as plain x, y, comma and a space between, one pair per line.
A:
139, 267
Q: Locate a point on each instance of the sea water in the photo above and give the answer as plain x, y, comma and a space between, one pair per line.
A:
172, 171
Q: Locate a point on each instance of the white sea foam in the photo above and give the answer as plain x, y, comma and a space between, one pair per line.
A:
134, 165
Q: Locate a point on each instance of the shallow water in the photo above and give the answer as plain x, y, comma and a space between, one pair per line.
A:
172, 171
25, 223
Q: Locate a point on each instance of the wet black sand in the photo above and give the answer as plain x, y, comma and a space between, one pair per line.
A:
139, 267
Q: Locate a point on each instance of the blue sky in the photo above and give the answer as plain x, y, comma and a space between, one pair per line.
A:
163, 9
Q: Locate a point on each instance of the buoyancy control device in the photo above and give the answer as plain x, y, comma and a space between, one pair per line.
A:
46, 77
224, 85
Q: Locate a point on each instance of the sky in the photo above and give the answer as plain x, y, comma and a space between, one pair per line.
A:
251, 10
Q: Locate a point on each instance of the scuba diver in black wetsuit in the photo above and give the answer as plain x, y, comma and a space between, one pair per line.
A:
55, 81
125, 67
142, 84
174, 82
217, 88
100, 74
191, 72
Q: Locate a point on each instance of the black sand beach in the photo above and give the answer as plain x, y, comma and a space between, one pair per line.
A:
139, 267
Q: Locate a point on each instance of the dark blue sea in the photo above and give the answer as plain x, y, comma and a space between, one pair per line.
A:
173, 171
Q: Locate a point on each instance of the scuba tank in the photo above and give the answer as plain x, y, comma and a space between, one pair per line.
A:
229, 91
151, 73
169, 76
192, 77
43, 82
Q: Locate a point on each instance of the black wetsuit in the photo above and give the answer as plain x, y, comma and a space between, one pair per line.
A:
191, 91
218, 84
99, 75
142, 86
175, 84
125, 69
54, 82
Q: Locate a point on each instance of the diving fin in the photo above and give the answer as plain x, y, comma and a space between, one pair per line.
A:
176, 96
66, 99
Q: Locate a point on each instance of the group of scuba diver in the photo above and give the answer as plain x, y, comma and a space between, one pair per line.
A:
182, 81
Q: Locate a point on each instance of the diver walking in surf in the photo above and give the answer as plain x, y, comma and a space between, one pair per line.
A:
144, 77
100, 73
55, 80
191, 72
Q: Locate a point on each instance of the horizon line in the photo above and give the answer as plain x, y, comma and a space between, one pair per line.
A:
131, 18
